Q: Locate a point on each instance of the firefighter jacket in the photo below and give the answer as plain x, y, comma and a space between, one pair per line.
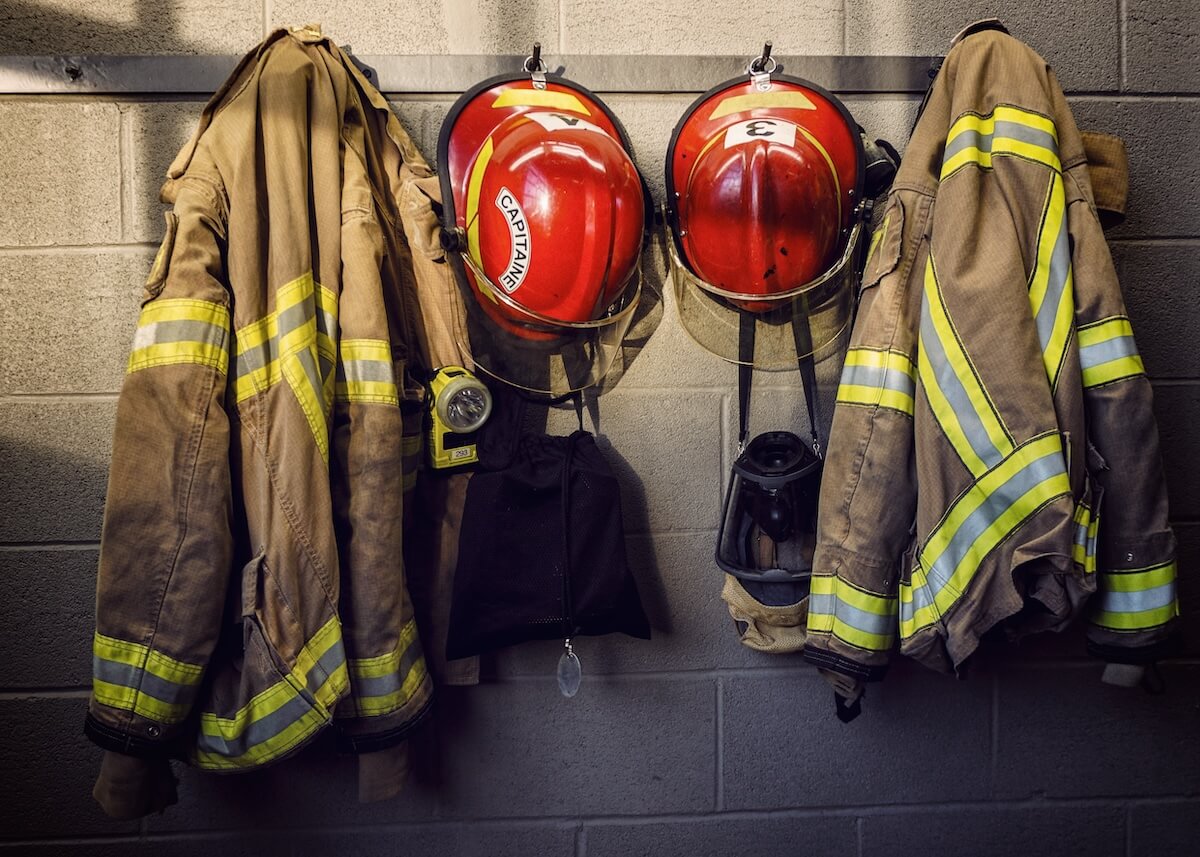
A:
993, 459
251, 587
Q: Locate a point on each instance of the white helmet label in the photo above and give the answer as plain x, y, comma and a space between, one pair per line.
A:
518, 232
770, 130
563, 122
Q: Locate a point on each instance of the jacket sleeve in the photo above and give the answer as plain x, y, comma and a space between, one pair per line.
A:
166, 548
1130, 544
868, 490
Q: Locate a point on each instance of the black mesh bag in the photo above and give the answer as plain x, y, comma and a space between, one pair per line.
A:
542, 551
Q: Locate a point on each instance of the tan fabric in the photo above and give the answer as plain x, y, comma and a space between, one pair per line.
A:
267, 432
974, 431
776, 630
382, 774
1108, 169
129, 787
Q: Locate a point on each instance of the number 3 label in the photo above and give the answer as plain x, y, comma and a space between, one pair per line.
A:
770, 130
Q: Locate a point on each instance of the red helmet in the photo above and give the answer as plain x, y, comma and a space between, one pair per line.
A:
548, 213
764, 184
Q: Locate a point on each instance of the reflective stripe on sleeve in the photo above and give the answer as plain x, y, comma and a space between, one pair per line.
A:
1087, 524
181, 330
282, 716
1051, 286
1137, 599
880, 378
1006, 131
365, 373
981, 519
855, 616
384, 684
1107, 352
136, 678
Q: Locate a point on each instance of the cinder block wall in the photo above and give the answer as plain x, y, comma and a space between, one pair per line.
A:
686, 745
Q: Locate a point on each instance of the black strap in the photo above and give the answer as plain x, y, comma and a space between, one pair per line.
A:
745, 373
846, 712
802, 335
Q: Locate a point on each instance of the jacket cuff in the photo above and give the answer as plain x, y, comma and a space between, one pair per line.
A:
382, 774
129, 787
350, 738
833, 662
1148, 654
120, 741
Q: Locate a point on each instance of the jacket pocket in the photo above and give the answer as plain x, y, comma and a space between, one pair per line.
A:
264, 706
157, 278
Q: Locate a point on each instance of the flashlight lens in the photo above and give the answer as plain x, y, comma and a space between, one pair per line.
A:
467, 409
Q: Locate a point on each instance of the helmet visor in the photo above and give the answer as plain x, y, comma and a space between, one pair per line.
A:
712, 316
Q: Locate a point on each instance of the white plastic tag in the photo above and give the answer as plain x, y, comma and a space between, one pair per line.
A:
770, 130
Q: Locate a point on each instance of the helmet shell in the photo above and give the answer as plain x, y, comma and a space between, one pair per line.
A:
762, 186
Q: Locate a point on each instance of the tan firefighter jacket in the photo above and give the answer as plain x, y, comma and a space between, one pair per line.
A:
993, 457
251, 586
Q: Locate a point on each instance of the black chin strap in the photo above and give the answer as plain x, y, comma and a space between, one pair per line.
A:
804, 359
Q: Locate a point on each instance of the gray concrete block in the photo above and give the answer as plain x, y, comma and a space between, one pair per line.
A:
882, 118
49, 768
422, 118
1164, 185
626, 747
453, 27
131, 27
921, 737
59, 166
649, 121
56, 458
1177, 410
665, 449
318, 785
1164, 828
47, 618
1064, 733
718, 837
450, 840
997, 832
1159, 283
155, 132
680, 586
663, 27
68, 318
1189, 585
1079, 40
1162, 46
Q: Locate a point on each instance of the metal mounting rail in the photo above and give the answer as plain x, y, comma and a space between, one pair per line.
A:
201, 75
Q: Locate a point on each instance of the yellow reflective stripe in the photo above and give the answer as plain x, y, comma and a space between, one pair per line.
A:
876, 239
367, 392
1104, 330
133, 677
837, 183
1135, 581
387, 682
794, 100
1107, 352
132, 699
999, 502
1083, 551
1139, 621
961, 405
143, 657
877, 377
855, 616
365, 373
366, 349
1007, 130
1114, 370
540, 98
181, 330
1051, 284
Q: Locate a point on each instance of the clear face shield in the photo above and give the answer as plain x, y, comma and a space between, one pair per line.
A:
535, 352
713, 316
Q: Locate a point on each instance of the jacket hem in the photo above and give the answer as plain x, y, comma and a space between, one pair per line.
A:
835, 662
1148, 654
376, 741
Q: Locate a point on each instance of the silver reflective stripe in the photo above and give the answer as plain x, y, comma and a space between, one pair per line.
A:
988, 512
921, 597
365, 370
143, 681
855, 617
179, 331
377, 686
974, 139
1060, 270
878, 376
1108, 350
1136, 602
259, 731
309, 365
952, 388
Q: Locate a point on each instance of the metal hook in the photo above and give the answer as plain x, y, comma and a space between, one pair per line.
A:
761, 61
760, 69
536, 68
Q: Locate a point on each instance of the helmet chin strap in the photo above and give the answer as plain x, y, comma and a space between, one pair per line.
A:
805, 360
